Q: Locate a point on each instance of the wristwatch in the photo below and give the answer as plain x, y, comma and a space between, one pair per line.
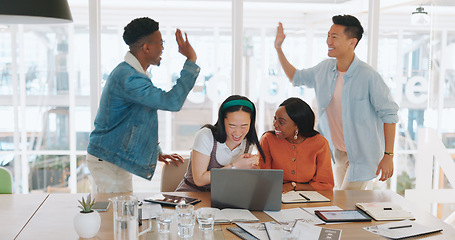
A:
389, 153
294, 184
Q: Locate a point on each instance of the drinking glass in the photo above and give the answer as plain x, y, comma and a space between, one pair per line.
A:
164, 220
186, 220
126, 225
206, 219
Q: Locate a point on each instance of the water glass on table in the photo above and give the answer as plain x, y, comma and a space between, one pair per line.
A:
186, 219
164, 220
205, 218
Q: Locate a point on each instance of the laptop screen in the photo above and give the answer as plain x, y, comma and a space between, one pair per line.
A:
252, 189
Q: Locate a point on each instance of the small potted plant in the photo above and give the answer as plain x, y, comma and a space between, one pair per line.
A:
88, 221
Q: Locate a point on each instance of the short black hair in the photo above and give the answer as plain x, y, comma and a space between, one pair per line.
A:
353, 27
139, 28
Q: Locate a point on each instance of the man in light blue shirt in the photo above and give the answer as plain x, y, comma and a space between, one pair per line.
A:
357, 112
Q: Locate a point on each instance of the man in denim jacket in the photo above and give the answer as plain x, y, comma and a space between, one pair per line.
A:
357, 113
125, 138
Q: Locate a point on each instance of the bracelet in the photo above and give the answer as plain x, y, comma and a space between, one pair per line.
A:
389, 153
232, 166
294, 184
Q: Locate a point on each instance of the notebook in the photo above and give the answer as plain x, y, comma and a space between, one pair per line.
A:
303, 197
252, 189
402, 229
383, 211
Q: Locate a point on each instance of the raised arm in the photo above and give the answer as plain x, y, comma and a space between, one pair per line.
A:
287, 67
185, 47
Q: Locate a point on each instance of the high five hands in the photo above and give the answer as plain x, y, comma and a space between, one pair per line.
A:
280, 36
185, 47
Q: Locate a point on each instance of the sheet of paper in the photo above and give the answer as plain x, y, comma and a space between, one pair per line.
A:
255, 229
273, 230
401, 229
326, 208
305, 231
155, 209
287, 216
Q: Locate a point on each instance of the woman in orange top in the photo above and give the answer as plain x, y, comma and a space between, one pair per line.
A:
298, 149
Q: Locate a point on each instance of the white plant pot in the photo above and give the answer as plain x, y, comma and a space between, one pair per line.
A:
87, 225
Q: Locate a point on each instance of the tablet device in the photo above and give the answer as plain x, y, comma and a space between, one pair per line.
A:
101, 206
167, 199
342, 216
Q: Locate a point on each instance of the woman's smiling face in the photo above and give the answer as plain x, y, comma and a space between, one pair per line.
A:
237, 125
283, 124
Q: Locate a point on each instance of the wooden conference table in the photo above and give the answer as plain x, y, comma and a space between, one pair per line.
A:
51, 216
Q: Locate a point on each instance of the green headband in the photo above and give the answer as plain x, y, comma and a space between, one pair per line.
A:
238, 102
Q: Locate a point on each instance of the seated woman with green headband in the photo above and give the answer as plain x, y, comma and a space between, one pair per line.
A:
227, 144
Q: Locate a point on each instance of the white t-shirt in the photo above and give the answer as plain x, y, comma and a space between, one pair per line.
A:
203, 143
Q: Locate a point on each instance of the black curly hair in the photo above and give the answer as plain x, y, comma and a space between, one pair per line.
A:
139, 28
301, 114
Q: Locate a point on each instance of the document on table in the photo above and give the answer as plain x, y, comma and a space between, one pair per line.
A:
154, 208
326, 208
401, 229
255, 229
383, 211
287, 216
302, 231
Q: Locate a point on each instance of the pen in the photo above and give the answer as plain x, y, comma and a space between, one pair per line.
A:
404, 226
306, 198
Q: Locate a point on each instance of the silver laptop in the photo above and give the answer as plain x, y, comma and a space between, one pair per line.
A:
252, 189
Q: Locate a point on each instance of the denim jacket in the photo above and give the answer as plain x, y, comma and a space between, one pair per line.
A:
366, 105
126, 125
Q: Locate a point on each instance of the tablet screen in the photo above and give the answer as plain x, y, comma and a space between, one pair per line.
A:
101, 206
343, 216
168, 199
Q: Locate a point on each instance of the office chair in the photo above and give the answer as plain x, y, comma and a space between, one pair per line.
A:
50, 189
171, 176
6, 181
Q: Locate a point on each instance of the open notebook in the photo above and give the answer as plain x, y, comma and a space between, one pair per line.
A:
303, 197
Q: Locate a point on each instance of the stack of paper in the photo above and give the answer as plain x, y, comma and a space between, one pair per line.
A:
300, 231
307, 215
401, 229
383, 211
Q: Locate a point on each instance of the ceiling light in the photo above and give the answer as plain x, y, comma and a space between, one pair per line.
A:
420, 17
35, 11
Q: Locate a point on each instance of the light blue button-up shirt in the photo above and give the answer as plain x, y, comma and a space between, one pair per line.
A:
366, 105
